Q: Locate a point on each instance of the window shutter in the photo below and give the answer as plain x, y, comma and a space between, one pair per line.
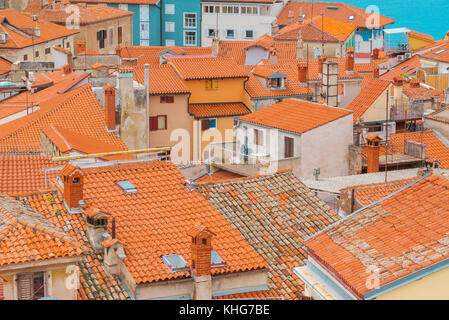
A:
2, 294
98, 35
205, 124
25, 286
153, 123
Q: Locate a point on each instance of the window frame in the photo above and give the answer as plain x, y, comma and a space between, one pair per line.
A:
196, 38
156, 119
170, 12
119, 35
289, 152
170, 23
184, 20
233, 34
163, 99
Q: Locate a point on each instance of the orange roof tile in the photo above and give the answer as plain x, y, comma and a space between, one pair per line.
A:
21, 174
88, 14
253, 295
28, 237
163, 80
207, 68
78, 110
149, 55
401, 234
371, 90
282, 212
342, 13
439, 53
217, 176
95, 283
67, 141
295, 116
421, 35
407, 67
5, 66
163, 211
11, 21
211, 110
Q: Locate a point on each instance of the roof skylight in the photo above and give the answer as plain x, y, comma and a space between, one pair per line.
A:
440, 51
126, 186
216, 261
351, 17
175, 262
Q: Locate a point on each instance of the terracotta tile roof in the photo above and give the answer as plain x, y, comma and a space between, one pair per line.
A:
163, 80
239, 1
95, 283
257, 90
77, 110
342, 13
218, 176
253, 295
89, 52
437, 149
295, 116
28, 237
21, 174
11, 21
65, 51
421, 35
67, 141
207, 68
151, 2
417, 92
274, 213
163, 212
5, 66
234, 49
370, 193
401, 234
440, 53
371, 90
312, 30
88, 14
210, 110
407, 67
150, 54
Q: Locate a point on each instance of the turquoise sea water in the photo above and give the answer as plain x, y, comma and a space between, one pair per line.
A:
428, 16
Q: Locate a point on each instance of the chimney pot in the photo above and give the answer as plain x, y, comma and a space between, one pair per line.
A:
302, 72
321, 60
349, 66
73, 181
376, 72
375, 53
372, 152
109, 106
398, 81
80, 47
67, 69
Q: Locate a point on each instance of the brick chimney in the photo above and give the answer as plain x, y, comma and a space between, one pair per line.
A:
109, 106
398, 81
291, 17
67, 69
302, 72
376, 72
372, 152
274, 29
414, 83
113, 253
96, 226
273, 58
201, 251
80, 47
73, 181
375, 53
349, 66
321, 60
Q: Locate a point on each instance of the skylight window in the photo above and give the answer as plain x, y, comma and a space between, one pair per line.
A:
351, 17
440, 51
126, 186
216, 261
175, 262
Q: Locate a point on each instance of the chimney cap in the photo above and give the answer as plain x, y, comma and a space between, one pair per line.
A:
196, 230
109, 87
350, 50
69, 169
373, 136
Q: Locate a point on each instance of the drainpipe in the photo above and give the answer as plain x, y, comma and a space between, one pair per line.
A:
161, 15
147, 109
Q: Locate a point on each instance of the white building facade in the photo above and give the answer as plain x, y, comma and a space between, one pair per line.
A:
237, 20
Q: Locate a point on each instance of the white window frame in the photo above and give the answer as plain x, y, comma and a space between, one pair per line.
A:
140, 30
184, 20
170, 43
143, 7
207, 33
111, 37
170, 26
233, 37
170, 11
196, 38
123, 6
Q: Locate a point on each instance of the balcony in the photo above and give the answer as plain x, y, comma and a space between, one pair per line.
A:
227, 156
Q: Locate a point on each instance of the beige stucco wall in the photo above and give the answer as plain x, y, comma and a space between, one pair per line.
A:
327, 148
88, 33
433, 286
223, 133
177, 118
57, 275
18, 54
376, 112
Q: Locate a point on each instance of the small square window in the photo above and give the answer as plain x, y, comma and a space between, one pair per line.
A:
249, 34
169, 9
230, 34
167, 99
212, 123
126, 186
211, 33
169, 26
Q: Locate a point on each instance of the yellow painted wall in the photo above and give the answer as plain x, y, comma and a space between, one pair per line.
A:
434, 286
58, 280
417, 43
229, 90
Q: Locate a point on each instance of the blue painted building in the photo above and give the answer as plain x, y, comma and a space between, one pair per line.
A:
162, 22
